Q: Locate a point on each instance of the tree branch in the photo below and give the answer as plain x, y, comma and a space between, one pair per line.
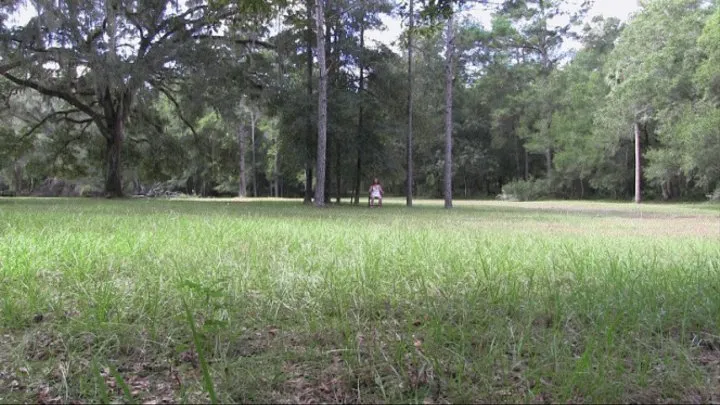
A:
180, 18
68, 142
132, 17
9, 66
72, 100
140, 140
74, 121
53, 49
179, 111
95, 35
246, 42
47, 118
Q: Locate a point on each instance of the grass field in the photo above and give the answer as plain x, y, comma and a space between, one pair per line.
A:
259, 301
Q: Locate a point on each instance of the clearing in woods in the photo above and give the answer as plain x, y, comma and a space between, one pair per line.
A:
271, 301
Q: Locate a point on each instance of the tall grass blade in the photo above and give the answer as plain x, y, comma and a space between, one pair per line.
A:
207, 379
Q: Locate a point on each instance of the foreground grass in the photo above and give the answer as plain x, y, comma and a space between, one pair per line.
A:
490, 302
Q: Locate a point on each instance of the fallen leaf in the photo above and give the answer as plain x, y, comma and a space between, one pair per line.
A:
417, 342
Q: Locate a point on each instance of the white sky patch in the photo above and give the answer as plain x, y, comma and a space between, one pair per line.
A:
621, 9
51, 66
23, 15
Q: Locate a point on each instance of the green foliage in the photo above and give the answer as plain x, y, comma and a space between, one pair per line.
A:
691, 137
526, 190
525, 108
707, 77
654, 73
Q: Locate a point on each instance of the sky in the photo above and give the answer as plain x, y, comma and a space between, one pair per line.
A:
621, 9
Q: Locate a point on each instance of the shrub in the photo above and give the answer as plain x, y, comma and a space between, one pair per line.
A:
88, 190
526, 190
715, 196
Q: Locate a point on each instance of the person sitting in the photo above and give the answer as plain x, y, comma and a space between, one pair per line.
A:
376, 192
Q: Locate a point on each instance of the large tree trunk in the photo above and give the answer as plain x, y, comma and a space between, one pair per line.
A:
242, 190
116, 122
449, 53
638, 163
322, 104
409, 177
113, 178
308, 116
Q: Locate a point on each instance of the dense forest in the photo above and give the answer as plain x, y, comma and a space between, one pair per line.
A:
262, 98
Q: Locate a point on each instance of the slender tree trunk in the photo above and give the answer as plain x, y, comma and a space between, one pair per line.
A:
449, 54
276, 141
665, 188
361, 90
253, 119
331, 55
527, 165
308, 182
549, 151
17, 177
518, 167
338, 174
548, 162
242, 191
308, 116
410, 169
276, 172
358, 170
322, 104
328, 166
638, 163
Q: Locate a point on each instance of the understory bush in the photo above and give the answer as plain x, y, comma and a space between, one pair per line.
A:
526, 190
715, 196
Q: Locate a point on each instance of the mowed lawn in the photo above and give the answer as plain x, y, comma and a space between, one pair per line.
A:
154, 301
